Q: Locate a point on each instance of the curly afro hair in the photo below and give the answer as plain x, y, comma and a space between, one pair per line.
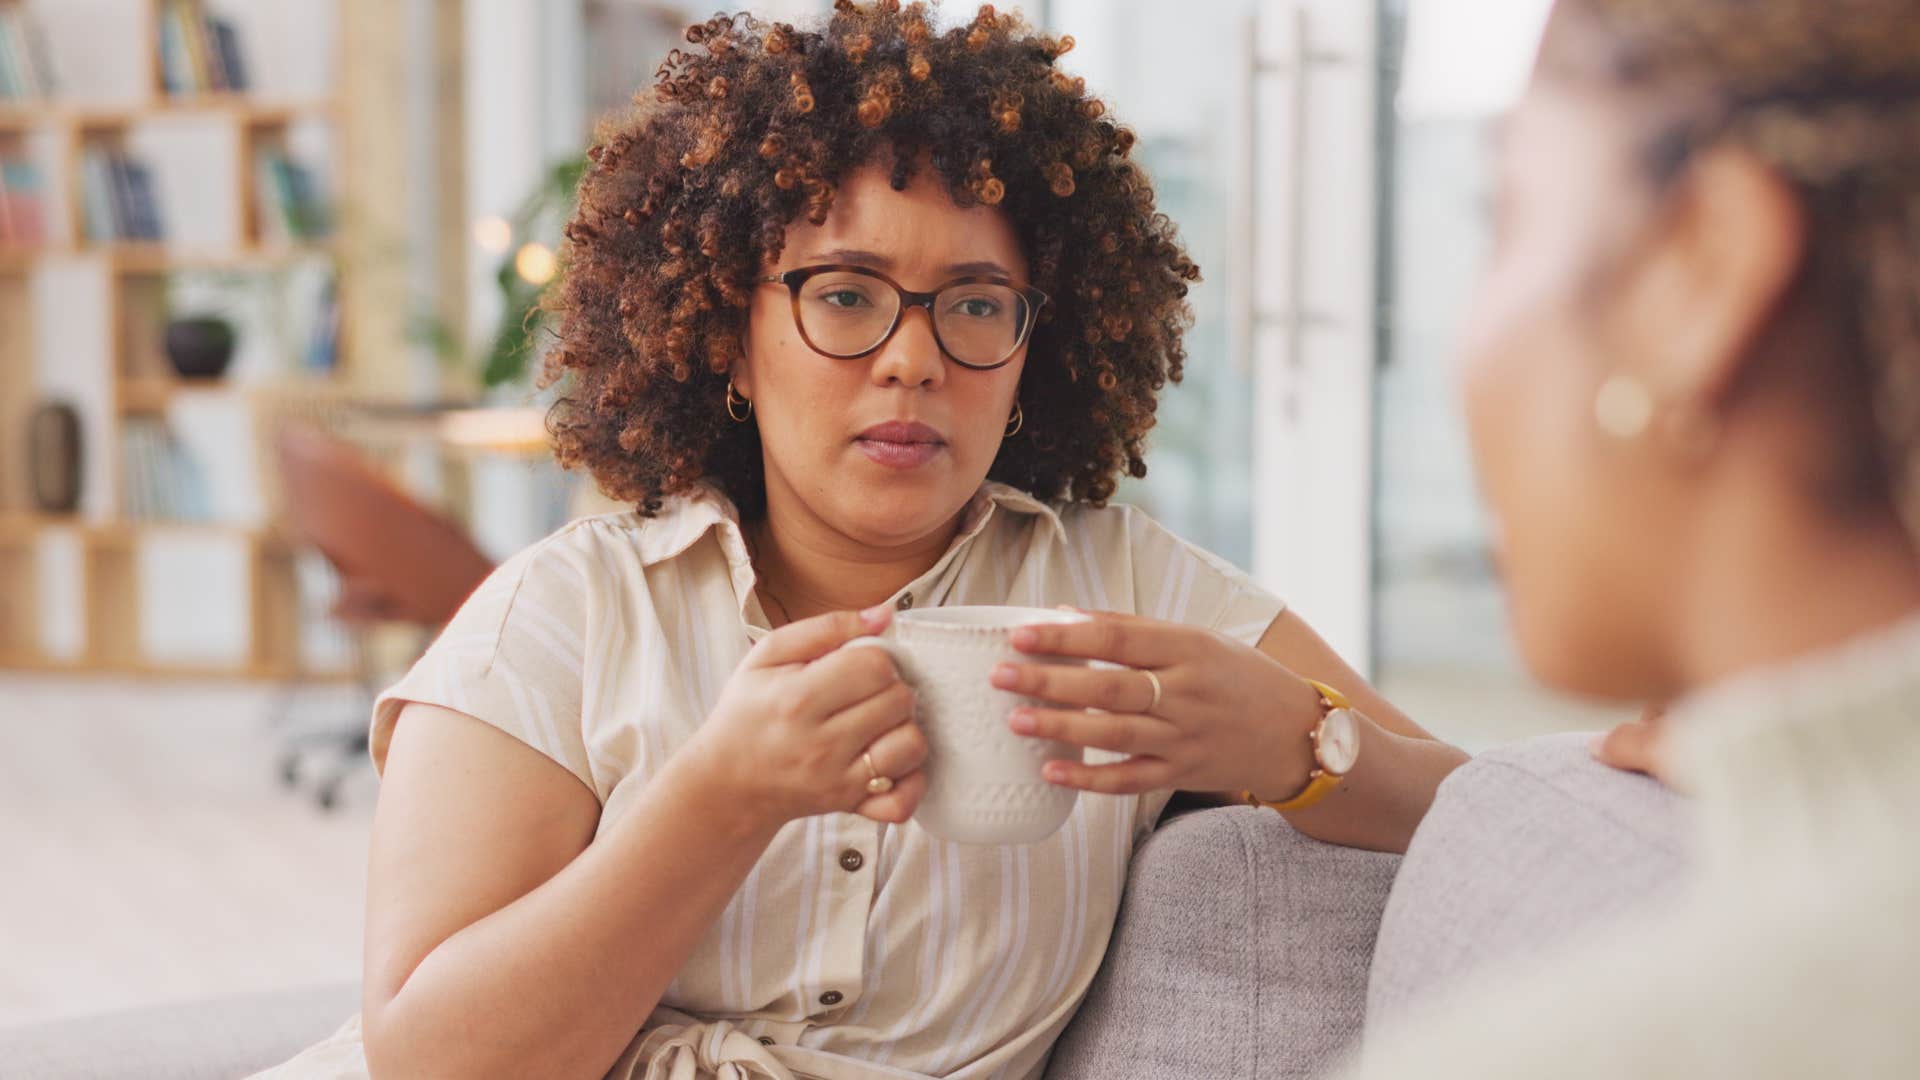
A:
688, 197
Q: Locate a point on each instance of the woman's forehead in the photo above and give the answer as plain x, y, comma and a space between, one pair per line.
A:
918, 230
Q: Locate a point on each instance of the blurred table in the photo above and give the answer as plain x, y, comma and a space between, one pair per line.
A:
505, 430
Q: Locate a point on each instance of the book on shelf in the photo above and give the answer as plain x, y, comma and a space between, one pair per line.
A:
292, 208
233, 62
323, 351
23, 219
199, 53
163, 480
25, 71
13, 85
174, 73
118, 198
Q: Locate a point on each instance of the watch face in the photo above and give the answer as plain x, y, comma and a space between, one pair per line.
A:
1339, 744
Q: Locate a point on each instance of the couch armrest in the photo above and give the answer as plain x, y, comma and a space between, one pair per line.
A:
1526, 847
1241, 951
233, 1036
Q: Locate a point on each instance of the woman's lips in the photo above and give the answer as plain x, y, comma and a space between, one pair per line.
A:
900, 444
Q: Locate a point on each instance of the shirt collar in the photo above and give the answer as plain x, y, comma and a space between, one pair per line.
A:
687, 520
993, 497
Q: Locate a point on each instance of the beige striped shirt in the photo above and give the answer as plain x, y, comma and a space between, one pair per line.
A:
851, 944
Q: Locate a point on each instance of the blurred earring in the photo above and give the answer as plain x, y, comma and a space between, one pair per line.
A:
1624, 407
1015, 422
740, 415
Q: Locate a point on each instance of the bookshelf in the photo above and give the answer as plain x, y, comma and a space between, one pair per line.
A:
86, 225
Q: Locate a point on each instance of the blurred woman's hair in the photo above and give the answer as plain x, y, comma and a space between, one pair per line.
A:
1827, 94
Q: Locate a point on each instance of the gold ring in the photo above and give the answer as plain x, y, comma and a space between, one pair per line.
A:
876, 784
1155, 681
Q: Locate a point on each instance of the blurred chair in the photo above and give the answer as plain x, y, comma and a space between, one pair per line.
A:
397, 561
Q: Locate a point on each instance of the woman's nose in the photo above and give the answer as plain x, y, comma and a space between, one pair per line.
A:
912, 356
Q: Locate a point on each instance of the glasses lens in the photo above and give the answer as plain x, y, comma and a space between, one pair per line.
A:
980, 325
845, 314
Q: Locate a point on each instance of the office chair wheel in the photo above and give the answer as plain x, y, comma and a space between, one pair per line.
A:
290, 768
328, 797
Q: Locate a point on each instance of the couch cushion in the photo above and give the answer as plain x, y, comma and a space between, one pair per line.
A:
1241, 951
1526, 847
225, 1037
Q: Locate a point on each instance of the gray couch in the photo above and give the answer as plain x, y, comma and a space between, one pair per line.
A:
1244, 949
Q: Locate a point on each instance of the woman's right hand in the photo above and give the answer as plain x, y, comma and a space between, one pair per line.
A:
787, 738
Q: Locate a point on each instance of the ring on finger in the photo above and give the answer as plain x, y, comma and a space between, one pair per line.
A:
876, 784
1154, 681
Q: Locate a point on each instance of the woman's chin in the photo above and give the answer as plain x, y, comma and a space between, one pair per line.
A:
899, 509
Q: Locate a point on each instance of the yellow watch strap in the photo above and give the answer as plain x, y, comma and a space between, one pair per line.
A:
1328, 694
1318, 787
1320, 783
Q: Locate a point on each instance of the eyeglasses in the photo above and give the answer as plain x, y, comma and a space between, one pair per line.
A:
848, 312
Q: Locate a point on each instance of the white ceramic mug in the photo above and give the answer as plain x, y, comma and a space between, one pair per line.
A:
983, 781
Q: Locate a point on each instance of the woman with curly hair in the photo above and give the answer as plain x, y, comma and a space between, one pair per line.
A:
858, 319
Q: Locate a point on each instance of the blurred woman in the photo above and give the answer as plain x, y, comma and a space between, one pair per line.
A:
1693, 379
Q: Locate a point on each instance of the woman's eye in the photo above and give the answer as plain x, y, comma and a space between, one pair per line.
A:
977, 308
843, 298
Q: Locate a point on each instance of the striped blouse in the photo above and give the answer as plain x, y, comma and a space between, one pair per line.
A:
853, 948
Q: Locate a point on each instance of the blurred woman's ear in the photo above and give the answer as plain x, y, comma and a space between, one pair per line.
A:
1719, 272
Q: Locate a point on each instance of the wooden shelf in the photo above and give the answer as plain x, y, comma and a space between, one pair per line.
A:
38, 663
139, 284
19, 260
17, 524
130, 259
150, 394
233, 108
123, 532
126, 532
153, 393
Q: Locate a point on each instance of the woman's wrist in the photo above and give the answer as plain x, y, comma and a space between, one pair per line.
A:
1284, 763
720, 795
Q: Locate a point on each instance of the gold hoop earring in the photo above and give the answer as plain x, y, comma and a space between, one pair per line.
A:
733, 397
1017, 421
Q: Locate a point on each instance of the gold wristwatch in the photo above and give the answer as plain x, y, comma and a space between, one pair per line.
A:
1336, 746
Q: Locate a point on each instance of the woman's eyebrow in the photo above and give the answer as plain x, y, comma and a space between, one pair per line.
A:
851, 257
875, 260
986, 267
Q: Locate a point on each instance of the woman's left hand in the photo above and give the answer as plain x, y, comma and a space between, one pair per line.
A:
1637, 745
1227, 717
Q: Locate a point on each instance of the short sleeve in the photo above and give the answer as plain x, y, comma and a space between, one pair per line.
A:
511, 657
1174, 581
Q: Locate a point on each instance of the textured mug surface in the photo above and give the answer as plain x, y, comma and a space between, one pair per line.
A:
983, 781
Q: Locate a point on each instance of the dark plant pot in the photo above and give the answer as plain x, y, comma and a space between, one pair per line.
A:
53, 457
200, 348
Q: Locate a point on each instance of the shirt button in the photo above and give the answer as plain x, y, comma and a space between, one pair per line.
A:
851, 860
905, 602
764, 1041
831, 998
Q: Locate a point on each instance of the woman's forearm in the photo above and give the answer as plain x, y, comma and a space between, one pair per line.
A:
556, 983
1383, 799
